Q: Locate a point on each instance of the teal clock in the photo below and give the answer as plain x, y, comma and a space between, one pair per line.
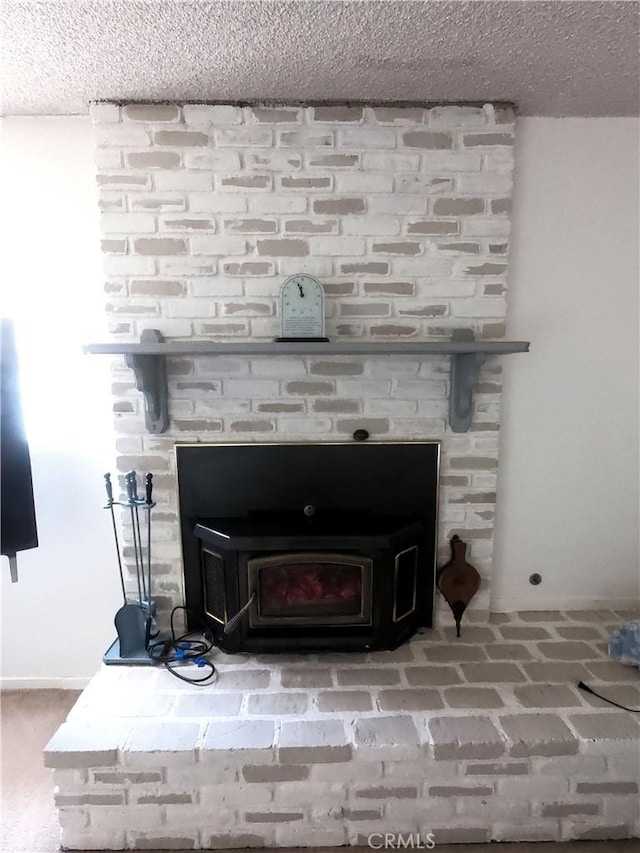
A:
302, 309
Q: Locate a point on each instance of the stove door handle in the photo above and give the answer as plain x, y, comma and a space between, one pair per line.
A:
233, 623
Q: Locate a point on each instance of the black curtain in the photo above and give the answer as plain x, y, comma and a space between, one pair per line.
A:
18, 530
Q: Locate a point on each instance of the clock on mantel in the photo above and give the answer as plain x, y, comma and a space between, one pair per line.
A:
301, 309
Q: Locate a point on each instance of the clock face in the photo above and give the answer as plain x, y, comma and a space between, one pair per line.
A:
302, 307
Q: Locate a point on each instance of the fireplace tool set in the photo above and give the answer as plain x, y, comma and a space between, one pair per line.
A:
139, 641
135, 621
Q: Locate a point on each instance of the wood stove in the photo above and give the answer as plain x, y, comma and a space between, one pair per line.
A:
328, 580
306, 547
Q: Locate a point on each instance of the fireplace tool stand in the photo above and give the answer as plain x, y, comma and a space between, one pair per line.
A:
135, 621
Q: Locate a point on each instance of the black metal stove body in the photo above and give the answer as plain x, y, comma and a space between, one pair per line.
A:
317, 547
335, 581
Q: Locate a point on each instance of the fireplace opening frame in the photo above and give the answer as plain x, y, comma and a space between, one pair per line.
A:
343, 480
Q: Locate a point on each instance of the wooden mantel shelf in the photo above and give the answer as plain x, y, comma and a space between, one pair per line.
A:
147, 361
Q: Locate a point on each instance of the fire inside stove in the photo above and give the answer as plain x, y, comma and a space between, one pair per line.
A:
312, 587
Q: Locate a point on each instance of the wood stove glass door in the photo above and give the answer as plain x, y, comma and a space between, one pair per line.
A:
298, 589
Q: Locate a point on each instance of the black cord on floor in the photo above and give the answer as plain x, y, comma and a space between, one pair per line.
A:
185, 648
587, 689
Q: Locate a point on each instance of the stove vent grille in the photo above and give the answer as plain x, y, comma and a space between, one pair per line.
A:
214, 588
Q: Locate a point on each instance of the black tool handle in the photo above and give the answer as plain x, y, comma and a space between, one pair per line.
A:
109, 487
133, 485
148, 484
129, 485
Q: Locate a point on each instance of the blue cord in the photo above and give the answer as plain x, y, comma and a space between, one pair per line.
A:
179, 650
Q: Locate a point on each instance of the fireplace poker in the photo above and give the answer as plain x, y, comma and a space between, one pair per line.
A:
137, 536
137, 544
131, 492
148, 481
108, 486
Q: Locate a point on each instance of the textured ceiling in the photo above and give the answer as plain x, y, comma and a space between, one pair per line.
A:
550, 58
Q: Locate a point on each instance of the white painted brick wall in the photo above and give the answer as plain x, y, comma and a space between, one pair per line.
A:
396, 210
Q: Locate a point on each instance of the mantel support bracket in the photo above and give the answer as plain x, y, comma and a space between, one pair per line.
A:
151, 378
465, 370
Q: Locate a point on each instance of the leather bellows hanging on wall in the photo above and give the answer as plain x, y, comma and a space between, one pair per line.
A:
457, 580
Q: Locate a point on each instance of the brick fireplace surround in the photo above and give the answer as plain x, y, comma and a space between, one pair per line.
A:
403, 213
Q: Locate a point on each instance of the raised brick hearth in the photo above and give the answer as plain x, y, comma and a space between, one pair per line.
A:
480, 738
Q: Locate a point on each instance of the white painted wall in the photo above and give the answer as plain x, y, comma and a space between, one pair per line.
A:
58, 619
568, 485
568, 495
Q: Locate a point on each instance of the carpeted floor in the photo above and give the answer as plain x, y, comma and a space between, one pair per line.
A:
30, 717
